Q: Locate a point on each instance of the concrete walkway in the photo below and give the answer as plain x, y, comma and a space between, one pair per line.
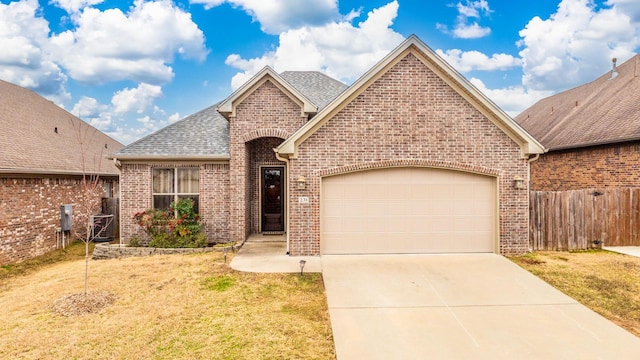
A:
627, 250
478, 306
268, 254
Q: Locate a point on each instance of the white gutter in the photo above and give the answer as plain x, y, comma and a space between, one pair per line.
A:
18, 171
170, 157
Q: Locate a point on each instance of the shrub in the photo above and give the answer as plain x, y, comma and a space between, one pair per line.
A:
178, 227
135, 241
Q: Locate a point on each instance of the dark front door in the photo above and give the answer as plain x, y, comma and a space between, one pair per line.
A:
272, 198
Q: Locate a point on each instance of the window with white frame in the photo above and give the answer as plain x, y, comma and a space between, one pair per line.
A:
173, 184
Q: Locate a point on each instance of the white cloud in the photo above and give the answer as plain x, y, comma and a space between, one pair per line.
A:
88, 107
116, 120
138, 45
470, 31
465, 61
465, 28
135, 100
576, 43
23, 58
473, 8
276, 16
338, 49
74, 6
629, 7
513, 100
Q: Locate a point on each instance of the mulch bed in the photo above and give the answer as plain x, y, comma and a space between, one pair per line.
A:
81, 304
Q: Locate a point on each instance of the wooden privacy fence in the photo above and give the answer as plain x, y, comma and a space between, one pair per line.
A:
583, 219
111, 206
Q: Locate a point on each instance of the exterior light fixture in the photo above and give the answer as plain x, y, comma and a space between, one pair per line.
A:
302, 183
302, 263
518, 183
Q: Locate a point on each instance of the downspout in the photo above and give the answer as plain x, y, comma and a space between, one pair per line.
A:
536, 157
118, 164
286, 199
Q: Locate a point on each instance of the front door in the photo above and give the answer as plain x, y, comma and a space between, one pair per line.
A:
272, 198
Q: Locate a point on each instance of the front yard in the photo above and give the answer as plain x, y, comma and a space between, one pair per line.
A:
166, 307
196, 307
605, 282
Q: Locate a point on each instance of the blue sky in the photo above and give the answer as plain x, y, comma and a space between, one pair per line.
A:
132, 67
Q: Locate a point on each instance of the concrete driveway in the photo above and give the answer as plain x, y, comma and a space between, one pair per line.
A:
477, 306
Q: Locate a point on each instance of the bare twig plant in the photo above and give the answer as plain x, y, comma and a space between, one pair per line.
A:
90, 192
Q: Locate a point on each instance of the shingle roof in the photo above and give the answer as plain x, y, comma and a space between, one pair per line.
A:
604, 111
40, 137
316, 86
205, 134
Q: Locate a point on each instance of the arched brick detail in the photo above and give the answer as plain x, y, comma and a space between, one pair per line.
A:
259, 133
410, 162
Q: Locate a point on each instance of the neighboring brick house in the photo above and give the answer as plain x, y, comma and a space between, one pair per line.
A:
592, 133
41, 168
411, 158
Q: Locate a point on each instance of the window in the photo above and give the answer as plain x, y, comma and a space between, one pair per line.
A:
170, 185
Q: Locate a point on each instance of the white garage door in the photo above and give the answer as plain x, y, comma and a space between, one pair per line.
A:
408, 210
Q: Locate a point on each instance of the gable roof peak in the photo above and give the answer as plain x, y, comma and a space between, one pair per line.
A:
413, 45
227, 107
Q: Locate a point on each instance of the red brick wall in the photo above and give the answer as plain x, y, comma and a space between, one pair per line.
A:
266, 112
136, 196
408, 117
30, 214
593, 167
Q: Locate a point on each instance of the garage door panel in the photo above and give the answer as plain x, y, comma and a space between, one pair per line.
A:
378, 191
332, 224
398, 224
374, 225
408, 210
434, 207
431, 224
353, 191
439, 192
420, 192
371, 208
397, 207
354, 225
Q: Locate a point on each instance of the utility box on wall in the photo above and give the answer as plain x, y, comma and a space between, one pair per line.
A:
66, 216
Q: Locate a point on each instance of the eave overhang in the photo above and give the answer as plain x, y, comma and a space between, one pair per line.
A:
143, 158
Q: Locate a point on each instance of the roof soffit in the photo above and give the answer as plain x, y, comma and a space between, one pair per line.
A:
228, 106
528, 144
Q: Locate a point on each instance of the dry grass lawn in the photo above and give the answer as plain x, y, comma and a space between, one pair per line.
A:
166, 307
606, 282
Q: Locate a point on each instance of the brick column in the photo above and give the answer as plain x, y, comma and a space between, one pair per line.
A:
237, 187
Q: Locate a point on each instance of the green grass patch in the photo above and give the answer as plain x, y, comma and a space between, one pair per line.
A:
219, 283
74, 251
608, 283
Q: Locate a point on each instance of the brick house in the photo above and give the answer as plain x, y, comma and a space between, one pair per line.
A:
592, 133
411, 158
41, 169
585, 189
